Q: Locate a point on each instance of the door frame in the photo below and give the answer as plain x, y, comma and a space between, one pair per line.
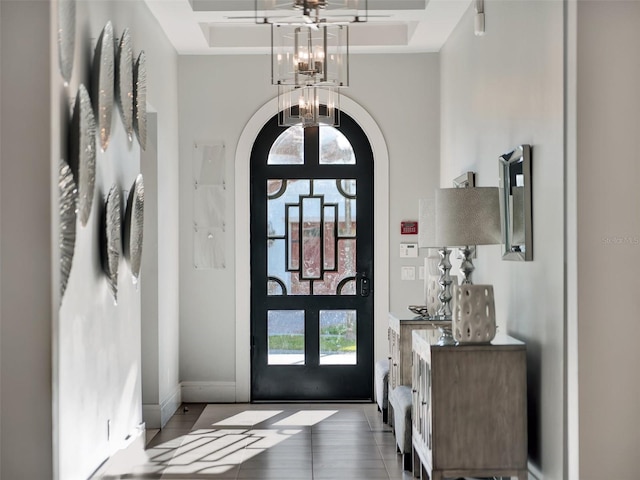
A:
243, 245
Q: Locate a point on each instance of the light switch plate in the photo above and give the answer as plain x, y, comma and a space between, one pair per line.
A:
421, 274
408, 273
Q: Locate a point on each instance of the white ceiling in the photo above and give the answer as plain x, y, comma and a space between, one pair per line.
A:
211, 27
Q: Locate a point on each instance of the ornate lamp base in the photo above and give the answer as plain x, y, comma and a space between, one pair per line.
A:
446, 336
466, 266
444, 312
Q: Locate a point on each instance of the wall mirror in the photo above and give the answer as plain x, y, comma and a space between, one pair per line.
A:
515, 204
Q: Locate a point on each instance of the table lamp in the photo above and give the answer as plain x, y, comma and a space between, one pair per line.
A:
465, 217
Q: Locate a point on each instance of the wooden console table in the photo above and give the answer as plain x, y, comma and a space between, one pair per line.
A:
469, 409
399, 334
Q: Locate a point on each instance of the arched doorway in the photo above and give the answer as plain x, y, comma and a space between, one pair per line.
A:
312, 263
242, 382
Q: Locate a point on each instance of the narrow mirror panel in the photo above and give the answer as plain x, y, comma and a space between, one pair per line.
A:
515, 204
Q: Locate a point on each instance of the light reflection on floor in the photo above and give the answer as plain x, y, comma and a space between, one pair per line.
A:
266, 442
217, 451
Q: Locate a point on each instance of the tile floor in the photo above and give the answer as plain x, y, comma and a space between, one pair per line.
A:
269, 441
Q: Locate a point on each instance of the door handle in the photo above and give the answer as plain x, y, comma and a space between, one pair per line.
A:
365, 285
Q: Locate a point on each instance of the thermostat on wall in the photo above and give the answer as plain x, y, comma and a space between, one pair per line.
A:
408, 250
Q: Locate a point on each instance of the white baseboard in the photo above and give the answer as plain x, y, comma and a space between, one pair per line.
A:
123, 454
208, 392
151, 415
169, 406
156, 416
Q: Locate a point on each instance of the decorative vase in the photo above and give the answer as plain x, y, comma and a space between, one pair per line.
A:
473, 314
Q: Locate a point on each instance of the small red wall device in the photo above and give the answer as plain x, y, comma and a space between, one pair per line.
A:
408, 228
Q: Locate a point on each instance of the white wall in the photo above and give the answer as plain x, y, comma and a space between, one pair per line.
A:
214, 109
98, 344
499, 91
607, 167
402, 93
26, 283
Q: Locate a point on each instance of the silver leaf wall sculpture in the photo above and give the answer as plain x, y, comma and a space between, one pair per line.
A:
66, 37
133, 227
124, 83
140, 100
68, 201
103, 83
82, 152
112, 238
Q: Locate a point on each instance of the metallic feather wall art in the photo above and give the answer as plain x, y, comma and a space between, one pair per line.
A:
103, 83
124, 83
68, 201
133, 227
140, 100
66, 37
82, 152
111, 238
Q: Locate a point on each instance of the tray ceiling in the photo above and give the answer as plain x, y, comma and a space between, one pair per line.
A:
227, 27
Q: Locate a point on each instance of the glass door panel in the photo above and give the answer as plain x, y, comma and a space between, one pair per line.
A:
338, 334
310, 239
285, 330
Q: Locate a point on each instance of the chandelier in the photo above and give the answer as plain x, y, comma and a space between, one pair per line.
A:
310, 56
308, 106
311, 11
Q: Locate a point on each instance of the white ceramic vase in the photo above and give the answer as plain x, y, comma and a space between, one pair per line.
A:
473, 314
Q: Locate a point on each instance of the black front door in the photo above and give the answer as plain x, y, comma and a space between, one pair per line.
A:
312, 263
